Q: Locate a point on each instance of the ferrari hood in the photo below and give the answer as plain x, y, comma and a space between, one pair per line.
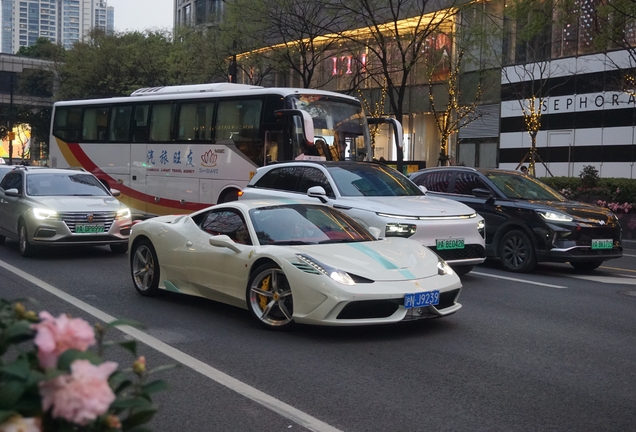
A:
416, 205
80, 203
383, 260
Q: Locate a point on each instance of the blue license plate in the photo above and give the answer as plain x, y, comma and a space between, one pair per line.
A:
421, 299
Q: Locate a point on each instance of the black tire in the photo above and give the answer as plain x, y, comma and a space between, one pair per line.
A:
269, 298
516, 252
2, 239
144, 268
462, 270
26, 249
120, 248
586, 266
229, 195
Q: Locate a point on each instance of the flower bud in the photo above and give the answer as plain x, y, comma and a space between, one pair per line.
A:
112, 421
139, 366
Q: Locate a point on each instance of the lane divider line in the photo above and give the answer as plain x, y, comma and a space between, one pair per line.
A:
518, 280
267, 401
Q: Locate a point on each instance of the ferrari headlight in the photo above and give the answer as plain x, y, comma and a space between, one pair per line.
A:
399, 230
443, 268
40, 213
555, 216
339, 276
123, 213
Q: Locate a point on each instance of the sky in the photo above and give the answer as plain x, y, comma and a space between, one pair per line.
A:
131, 15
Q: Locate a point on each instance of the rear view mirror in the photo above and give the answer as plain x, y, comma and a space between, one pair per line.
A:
375, 232
115, 192
482, 193
13, 192
423, 189
317, 192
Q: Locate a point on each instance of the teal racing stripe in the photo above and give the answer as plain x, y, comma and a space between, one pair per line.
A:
171, 287
375, 255
407, 274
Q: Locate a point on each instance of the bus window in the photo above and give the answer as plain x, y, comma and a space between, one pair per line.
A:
161, 122
67, 123
195, 121
120, 123
140, 123
95, 124
239, 121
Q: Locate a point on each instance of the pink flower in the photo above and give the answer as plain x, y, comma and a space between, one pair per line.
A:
56, 335
81, 396
21, 424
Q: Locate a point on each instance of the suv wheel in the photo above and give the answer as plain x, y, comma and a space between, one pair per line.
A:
516, 252
26, 248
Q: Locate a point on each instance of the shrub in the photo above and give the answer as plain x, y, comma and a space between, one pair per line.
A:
589, 177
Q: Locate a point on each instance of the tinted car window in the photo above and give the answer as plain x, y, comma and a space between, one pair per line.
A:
12, 181
434, 181
520, 186
371, 180
314, 177
466, 182
281, 178
227, 223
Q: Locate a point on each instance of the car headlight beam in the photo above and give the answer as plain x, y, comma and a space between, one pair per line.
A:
339, 276
555, 216
123, 213
42, 214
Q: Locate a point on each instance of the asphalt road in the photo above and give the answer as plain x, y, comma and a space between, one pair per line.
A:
549, 351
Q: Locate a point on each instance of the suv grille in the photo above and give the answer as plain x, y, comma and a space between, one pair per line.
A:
101, 218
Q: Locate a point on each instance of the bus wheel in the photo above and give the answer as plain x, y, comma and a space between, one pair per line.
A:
228, 195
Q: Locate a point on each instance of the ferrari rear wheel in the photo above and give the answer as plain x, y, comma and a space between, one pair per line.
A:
269, 298
144, 268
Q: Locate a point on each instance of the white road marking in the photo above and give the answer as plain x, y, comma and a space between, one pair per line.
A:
629, 255
249, 392
517, 280
616, 280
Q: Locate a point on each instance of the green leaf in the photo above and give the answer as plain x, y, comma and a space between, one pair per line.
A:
138, 418
18, 369
69, 356
154, 387
163, 368
130, 346
10, 393
126, 322
19, 331
131, 402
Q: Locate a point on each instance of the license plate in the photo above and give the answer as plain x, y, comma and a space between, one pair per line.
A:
602, 244
449, 244
89, 229
421, 299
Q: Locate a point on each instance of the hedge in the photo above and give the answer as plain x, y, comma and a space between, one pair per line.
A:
615, 189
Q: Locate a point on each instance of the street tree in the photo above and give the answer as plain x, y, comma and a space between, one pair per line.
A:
395, 34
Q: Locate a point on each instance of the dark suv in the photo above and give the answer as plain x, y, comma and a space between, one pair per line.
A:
526, 221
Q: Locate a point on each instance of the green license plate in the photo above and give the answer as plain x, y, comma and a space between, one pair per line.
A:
446, 244
89, 229
602, 244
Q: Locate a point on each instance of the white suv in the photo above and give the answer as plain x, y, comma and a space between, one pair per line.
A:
378, 196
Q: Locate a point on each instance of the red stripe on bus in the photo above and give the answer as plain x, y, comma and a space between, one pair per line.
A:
89, 165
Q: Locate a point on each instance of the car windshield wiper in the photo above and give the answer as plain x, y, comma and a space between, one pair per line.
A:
340, 241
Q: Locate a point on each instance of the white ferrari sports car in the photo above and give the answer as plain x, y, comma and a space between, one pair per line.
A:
288, 262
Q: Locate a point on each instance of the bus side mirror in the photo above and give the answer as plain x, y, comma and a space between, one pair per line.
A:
308, 122
396, 125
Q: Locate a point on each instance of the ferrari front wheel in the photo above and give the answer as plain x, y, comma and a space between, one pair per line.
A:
144, 268
269, 297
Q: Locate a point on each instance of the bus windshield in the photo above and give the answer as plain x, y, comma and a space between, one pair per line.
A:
340, 128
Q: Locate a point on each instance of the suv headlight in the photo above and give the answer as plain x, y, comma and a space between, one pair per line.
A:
555, 216
40, 213
399, 230
123, 213
481, 228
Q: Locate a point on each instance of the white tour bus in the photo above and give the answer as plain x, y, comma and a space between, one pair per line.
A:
172, 150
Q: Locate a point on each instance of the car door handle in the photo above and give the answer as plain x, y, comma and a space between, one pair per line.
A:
188, 244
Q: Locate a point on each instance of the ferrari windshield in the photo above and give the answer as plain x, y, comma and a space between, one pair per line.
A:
298, 224
371, 180
522, 187
62, 184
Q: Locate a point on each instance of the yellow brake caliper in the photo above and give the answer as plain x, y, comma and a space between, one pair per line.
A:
264, 287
